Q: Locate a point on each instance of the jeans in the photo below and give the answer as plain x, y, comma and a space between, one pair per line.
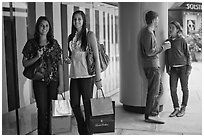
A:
44, 93
157, 106
81, 87
175, 74
153, 77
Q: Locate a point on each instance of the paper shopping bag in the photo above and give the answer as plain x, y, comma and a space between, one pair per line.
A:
60, 125
60, 119
101, 106
61, 108
103, 123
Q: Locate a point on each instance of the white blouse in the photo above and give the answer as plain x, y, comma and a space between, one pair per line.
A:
78, 67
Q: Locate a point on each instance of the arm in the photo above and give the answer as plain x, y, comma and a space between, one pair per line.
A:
188, 57
69, 50
150, 46
61, 78
167, 63
60, 68
187, 53
27, 62
29, 53
68, 58
93, 43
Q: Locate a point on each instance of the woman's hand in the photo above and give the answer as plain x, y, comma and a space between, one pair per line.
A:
67, 60
98, 84
60, 89
168, 71
166, 45
40, 53
188, 70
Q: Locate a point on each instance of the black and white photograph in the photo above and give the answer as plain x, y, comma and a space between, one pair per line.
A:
101, 68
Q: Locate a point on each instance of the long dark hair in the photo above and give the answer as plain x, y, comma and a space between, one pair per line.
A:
50, 36
83, 31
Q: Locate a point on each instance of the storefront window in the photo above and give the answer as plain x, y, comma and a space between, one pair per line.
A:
97, 24
87, 12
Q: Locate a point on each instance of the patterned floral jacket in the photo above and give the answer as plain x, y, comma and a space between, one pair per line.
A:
51, 58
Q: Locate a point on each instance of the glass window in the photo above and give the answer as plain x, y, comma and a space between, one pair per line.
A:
97, 24
112, 27
104, 28
76, 8
108, 34
116, 29
87, 12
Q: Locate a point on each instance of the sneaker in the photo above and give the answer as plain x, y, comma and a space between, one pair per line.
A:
156, 120
174, 113
181, 113
154, 113
161, 108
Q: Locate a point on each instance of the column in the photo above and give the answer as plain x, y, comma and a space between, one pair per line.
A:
133, 83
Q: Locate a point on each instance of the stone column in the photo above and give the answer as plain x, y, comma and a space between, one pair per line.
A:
133, 83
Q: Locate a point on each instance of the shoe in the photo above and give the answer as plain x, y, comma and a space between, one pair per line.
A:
161, 108
154, 113
156, 120
181, 113
174, 113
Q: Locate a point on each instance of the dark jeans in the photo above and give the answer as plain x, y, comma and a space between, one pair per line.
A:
81, 87
153, 77
175, 74
44, 93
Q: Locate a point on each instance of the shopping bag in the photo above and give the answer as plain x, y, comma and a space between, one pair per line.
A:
103, 123
61, 108
101, 106
60, 125
60, 119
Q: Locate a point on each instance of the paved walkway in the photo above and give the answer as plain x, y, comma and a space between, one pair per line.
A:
128, 123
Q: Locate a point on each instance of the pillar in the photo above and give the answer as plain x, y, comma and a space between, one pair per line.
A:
133, 83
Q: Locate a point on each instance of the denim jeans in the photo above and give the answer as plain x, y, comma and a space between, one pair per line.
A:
81, 87
44, 93
175, 74
153, 77
157, 106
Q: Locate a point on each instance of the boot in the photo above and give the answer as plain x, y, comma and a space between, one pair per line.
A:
181, 112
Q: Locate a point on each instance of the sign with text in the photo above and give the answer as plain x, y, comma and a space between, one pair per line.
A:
192, 6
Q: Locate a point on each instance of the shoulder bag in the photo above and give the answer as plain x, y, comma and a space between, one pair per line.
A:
103, 58
34, 71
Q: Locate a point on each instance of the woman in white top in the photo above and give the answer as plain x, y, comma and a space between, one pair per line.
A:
81, 82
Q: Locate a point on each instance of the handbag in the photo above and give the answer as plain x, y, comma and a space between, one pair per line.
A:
103, 58
61, 107
34, 71
101, 106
